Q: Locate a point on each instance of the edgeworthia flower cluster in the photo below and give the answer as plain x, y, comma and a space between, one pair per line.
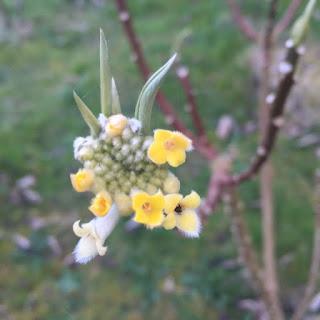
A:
126, 167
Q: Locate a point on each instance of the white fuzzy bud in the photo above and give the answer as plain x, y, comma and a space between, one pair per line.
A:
125, 149
85, 153
135, 143
116, 142
127, 134
90, 164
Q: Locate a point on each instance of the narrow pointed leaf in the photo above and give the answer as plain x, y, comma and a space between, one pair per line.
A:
148, 93
300, 27
105, 76
87, 115
116, 107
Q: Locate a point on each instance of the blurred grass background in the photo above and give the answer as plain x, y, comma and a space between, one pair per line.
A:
49, 48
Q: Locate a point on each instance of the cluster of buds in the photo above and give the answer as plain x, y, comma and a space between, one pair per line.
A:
127, 168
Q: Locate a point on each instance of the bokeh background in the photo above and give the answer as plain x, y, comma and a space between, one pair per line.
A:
47, 49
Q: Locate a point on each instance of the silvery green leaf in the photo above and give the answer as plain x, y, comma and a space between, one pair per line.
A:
116, 108
180, 39
105, 76
148, 93
87, 115
300, 27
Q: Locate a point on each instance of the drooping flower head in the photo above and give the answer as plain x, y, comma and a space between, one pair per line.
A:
126, 167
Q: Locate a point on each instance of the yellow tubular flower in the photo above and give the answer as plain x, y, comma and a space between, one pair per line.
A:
101, 204
116, 125
179, 212
148, 208
169, 146
82, 180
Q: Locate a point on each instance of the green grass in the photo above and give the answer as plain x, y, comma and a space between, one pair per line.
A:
39, 120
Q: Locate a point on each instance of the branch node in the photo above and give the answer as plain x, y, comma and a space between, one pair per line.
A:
124, 16
278, 122
285, 67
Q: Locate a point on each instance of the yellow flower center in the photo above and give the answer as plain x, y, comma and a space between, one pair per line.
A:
169, 145
146, 207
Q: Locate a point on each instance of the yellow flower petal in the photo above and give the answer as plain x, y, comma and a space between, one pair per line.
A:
155, 219
161, 135
189, 223
101, 204
148, 208
191, 201
169, 221
156, 153
157, 201
176, 158
82, 180
181, 141
171, 201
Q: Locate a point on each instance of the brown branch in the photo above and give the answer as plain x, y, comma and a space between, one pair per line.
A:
243, 23
315, 263
275, 120
271, 282
247, 252
202, 145
192, 108
283, 24
213, 197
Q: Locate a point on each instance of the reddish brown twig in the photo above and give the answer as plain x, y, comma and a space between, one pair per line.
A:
192, 107
283, 24
275, 121
243, 23
213, 197
202, 145
315, 263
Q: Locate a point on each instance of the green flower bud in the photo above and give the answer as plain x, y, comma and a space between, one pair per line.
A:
90, 164
85, 153
127, 134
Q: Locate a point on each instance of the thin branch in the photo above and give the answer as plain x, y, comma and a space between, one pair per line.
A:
192, 108
243, 23
246, 250
283, 24
202, 145
275, 121
213, 197
271, 282
315, 263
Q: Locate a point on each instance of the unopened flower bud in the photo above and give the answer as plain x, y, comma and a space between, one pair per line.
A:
116, 142
82, 180
116, 125
90, 164
151, 189
85, 153
127, 134
125, 149
98, 185
123, 203
135, 143
171, 184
